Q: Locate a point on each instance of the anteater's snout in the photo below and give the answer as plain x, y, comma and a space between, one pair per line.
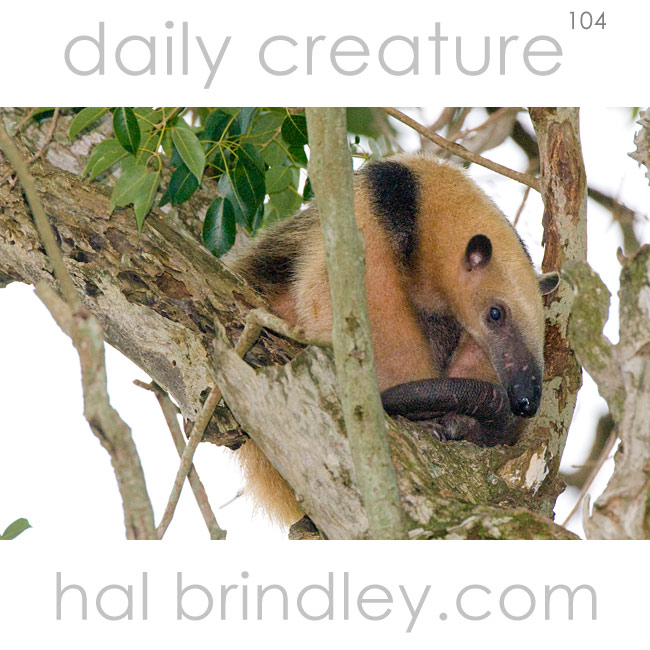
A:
525, 394
525, 408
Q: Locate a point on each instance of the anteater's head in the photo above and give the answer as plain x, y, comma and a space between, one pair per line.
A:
463, 258
502, 310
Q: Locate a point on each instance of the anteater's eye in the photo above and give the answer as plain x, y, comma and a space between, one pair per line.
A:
495, 313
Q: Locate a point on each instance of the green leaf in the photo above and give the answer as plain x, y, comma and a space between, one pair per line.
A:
148, 118
227, 188
249, 183
245, 118
250, 156
129, 178
104, 155
136, 185
148, 149
278, 178
271, 214
181, 186
41, 114
265, 128
244, 185
167, 143
145, 198
258, 219
294, 130
286, 202
13, 530
40, 111
275, 155
371, 122
215, 125
190, 150
127, 130
85, 118
298, 155
219, 229
267, 125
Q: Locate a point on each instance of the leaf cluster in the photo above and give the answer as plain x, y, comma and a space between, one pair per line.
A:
256, 156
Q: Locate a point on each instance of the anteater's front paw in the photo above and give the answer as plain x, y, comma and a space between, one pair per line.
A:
453, 426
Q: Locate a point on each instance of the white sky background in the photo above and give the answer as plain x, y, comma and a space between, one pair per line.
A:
54, 472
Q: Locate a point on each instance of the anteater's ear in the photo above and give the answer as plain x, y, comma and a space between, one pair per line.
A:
477, 253
548, 282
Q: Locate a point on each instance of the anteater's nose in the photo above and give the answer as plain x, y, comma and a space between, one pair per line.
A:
524, 390
525, 408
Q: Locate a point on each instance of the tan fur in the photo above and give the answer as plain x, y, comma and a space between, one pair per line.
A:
452, 209
398, 358
271, 493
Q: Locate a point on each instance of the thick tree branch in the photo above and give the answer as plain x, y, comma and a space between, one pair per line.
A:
623, 510
295, 407
330, 171
564, 192
594, 350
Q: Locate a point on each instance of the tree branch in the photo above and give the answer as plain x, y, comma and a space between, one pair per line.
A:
170, 412
625, 216
564, 192
330, 171
622, 511
464, 153
295, 407
186, 462
86, 334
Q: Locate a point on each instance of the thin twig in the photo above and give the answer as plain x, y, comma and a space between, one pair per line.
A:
240, 493
86, 334
48, 137
170, 412
455, 131
604, 455
46, 142
504, 110
462, 152
25, 119
521, 206
443, 119
187, 456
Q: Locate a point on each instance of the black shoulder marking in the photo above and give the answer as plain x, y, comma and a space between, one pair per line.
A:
272, 268
268, 264
395, 198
